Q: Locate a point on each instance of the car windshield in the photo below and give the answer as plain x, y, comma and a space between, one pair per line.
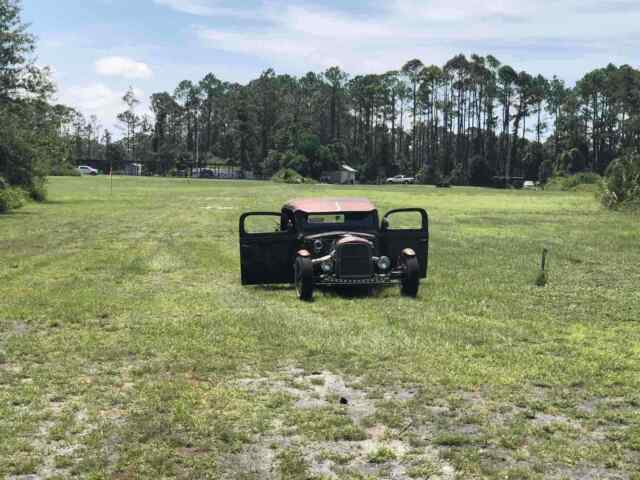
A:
340, 221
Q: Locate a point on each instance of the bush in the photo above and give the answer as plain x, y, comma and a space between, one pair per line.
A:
622, 182
287, 175
11, 198
574, 182
38, 189
571, 161
545, 170
64, 170
457, 177
481, 173
429, 176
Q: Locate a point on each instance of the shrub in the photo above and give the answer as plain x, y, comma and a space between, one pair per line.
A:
288, 175
38, 189
457, 176
64, 170
481, 174
545, 170
429, 175
574, 182
571, 161
11, 198
622, 181
382, 455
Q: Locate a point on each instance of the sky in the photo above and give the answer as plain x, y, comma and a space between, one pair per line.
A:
98, 48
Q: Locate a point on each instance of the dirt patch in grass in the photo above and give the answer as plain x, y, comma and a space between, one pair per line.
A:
335, 426
326, 432
59, 440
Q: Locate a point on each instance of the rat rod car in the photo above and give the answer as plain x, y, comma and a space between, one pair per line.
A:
335, 242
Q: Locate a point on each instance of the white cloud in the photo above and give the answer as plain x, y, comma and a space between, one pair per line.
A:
546, 36
262, 44
205, 8
123, 67
100, 100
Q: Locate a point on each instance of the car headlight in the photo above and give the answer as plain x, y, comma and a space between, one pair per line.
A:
318, 245
384, 263
327, 267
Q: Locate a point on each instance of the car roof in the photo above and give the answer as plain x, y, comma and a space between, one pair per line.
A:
330, 205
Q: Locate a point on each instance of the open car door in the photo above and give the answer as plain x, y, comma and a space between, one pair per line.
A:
406, 228
266, 250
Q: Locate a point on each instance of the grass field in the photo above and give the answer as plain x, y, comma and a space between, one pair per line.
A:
129, 349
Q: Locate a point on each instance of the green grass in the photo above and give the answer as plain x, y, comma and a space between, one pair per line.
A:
124, 331
382, 455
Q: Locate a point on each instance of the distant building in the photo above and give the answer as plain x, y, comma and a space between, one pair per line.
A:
346, 175
133, 169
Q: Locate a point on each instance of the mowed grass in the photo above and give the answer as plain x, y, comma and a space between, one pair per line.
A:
125, 334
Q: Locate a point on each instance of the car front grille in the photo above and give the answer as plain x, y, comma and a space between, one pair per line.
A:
354, 261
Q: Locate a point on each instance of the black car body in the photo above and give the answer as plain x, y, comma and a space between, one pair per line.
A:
336, 242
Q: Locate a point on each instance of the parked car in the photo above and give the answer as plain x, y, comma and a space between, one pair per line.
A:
335, 242
508, 182
203, 173
401, 179
87, 170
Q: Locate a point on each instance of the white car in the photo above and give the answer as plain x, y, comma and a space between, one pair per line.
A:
401, 179
87, 170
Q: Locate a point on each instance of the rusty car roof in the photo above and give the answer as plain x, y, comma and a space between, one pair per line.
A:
330, 205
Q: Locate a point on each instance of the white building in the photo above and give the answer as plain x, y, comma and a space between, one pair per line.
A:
346, 175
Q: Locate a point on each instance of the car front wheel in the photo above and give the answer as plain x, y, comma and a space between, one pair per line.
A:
303, 273
411, 277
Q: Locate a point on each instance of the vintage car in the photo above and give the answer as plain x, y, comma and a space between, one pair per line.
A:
334, 242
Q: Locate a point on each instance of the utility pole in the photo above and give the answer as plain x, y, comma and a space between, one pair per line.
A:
197, 145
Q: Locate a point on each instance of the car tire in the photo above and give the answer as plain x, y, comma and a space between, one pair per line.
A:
411, 276
303, 276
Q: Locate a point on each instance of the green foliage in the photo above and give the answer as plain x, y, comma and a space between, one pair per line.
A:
545, 170
316, 122
29, 130
457, 176
481, 173
289, 160
426, 469
571, 161
64, 170
580, 181
292, 465
11, 198
622, 182
451, 439
429, 176
38, 189
288, 175
382, 455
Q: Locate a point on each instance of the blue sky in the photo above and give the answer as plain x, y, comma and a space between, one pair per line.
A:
97, 48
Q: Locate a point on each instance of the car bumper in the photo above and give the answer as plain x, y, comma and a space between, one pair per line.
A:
392, 278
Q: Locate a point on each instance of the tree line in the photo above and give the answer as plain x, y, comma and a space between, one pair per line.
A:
466, 121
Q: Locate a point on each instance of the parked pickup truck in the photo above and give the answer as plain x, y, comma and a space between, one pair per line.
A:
401, 179
86, 170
